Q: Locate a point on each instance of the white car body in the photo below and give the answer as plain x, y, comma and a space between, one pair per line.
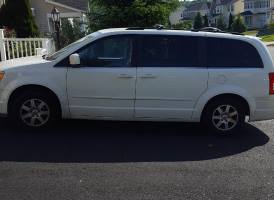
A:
139, 93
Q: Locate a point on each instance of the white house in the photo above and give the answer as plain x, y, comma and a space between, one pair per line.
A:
191, 11
258, 13
68, 9
224, 8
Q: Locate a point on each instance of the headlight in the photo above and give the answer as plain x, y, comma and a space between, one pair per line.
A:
2, 75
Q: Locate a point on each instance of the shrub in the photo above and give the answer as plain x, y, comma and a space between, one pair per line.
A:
238, 25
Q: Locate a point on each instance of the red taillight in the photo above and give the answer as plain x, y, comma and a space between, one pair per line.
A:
271, 83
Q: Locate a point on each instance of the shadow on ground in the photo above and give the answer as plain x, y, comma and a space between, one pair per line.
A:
98, 141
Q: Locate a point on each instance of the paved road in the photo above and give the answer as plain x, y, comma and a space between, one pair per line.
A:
128, 161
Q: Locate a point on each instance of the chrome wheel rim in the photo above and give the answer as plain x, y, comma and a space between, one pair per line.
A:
34, 112
225, 117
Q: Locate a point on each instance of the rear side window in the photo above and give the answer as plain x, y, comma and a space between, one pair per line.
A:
170, 51
229, 53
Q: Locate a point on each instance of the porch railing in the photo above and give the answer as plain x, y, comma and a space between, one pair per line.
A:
12, 48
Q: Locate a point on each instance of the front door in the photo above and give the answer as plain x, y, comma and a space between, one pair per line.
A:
103, 85
171, 76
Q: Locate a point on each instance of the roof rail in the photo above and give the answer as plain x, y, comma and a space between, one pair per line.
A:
157, 27
214, 30
135, 28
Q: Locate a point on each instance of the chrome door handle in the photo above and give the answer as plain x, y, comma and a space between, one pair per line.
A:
125, 76
148, 76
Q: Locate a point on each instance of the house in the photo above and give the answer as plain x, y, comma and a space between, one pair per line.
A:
191, 11
177, 16
223, 8
41, 10
258, 13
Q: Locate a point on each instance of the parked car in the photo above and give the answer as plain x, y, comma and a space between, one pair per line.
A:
219, 79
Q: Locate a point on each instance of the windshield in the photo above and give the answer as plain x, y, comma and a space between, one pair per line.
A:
55, 55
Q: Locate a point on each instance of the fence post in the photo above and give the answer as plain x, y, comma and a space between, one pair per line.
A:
2, 46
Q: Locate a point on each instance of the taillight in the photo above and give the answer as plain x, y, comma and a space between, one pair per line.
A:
271, 83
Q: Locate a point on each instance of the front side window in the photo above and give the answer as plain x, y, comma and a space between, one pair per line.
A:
107, 52
170, 51
229, 53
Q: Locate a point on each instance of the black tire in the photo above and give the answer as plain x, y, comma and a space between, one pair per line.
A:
15, 110
212, 123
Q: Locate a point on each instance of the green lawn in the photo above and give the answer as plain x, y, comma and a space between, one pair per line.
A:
253, 32
268, 38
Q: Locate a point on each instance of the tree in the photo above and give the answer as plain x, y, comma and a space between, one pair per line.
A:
238, 25
129, 13
198, 21
221, 23
71, 31
230, 21
17, 15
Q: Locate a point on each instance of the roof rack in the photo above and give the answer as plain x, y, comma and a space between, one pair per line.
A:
205, 29
157, 27
215, 30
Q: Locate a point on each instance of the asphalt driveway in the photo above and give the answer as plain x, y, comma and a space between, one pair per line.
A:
136, 160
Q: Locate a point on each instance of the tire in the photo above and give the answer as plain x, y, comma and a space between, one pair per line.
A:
34, 110
224, 116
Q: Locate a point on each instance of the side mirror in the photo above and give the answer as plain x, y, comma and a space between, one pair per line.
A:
74, 59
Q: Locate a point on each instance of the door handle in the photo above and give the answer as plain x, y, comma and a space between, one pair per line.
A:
148, 76
125, 76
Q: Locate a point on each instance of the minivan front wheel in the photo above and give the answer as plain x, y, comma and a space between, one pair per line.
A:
224, 116
34, 110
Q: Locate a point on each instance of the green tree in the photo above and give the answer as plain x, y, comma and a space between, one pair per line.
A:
198, 21
129, 13
221, 23
17, 15
206, 21
238, 25
71, 31
230, 21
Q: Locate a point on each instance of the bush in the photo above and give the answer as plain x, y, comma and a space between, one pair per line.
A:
238, 25
185, 25
221, 23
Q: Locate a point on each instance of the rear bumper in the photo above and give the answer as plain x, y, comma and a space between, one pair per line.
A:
264, 109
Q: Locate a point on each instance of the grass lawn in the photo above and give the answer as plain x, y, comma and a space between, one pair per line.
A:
268, 38
253, 32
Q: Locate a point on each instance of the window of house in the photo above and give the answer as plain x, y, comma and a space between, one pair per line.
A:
221, 52
108, 52
170, 51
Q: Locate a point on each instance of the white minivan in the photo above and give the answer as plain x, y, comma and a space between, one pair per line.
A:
219, 79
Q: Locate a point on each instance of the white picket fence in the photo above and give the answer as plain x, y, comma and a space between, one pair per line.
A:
12, 48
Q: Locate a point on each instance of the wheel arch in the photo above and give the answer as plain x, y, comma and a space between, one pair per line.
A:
33, 87
243, 101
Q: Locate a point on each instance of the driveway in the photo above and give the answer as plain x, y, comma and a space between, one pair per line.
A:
136, 160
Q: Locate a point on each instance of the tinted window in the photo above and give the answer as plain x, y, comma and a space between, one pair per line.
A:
231, 53
108, 52
170, 51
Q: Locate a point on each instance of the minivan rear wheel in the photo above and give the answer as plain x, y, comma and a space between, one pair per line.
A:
224, 116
